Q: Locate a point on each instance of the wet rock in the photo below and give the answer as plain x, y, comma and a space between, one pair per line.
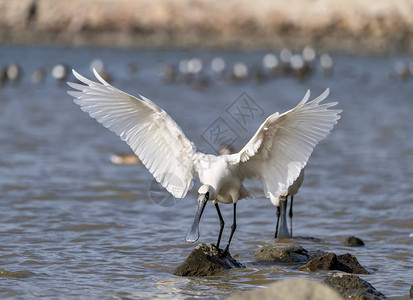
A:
411, 292
347, 263
291, 289
206, 260
351, 262
286, 254
351, 286
327, 262
353, 241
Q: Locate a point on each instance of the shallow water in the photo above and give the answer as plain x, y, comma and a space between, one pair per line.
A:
74, 225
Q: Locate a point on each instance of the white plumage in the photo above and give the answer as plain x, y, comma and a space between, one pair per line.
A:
275, 154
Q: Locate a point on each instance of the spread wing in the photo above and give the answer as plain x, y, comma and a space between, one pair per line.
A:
283, 144
147, 129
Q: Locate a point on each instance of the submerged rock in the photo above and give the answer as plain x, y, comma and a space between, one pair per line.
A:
206, 260
353, 241
351, 286
18, 274
287, 254
347, 263
291, 289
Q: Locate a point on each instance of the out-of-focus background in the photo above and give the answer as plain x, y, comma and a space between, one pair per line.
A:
81, 219
355, 25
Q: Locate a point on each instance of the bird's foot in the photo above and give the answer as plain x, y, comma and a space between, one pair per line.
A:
224, 253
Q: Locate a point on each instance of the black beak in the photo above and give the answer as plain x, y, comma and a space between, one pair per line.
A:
193, 233
283, 232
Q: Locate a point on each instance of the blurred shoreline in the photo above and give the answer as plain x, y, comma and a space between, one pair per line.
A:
353, 26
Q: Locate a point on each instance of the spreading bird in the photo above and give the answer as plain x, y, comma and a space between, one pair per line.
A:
275, 155
281, 230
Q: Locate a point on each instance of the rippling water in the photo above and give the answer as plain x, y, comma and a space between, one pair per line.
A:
74, 225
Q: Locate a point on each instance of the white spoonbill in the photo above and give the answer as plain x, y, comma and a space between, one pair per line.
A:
275, 155
281, 205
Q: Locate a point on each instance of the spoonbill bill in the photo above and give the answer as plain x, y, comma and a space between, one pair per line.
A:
275, 155
281, 205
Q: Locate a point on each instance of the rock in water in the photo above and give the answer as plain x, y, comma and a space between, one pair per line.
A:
326, 262
287, 254
347, 263
353, 287
353, 241
291, 289
351, 262
206, 260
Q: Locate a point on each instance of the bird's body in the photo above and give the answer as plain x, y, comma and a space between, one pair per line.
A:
274, 155
224, 178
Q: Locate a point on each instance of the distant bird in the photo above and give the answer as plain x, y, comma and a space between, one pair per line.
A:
285, 58
282, 208
218, 65
168, 73
38, 76
125, 159
60, 72
184, 71
239, 71
3, 75
299, 67
309, 54
270, 63
326, 62
14, 72
275, 154
98, 65
402, 69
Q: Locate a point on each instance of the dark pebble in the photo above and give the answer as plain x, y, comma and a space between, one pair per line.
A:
353, 241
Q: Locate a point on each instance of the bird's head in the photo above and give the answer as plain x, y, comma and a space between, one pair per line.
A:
207, 192
276, 200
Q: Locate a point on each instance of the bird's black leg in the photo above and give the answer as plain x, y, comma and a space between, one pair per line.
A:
221, 223
278, 222
291, 216
233, 227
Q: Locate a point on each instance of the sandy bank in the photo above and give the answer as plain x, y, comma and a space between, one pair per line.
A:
340, 25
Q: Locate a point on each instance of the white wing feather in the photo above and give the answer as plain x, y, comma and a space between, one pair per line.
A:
146, 128
283, 144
